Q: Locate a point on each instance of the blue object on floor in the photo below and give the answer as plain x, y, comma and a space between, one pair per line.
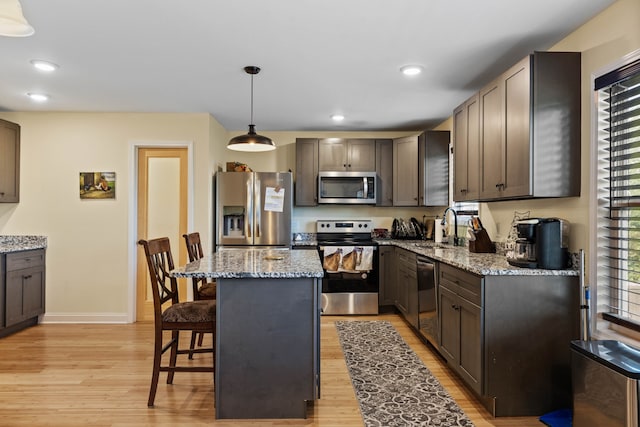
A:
560, 418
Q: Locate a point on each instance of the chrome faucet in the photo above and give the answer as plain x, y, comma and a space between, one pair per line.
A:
456, 241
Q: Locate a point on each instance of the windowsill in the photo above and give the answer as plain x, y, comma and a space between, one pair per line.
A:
610, 331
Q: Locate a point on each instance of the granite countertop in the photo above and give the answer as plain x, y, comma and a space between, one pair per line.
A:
483, 264
253, 262
21, 243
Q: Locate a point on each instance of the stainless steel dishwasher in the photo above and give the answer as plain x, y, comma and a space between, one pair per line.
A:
428, 300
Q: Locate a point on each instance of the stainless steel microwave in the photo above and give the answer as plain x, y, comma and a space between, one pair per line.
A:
347, 188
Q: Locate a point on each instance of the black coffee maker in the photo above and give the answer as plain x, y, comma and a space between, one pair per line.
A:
542, 243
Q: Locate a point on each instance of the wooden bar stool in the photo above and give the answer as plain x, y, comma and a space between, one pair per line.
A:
202, 289
194, 316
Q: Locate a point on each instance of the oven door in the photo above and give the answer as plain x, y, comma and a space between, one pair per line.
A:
347, 290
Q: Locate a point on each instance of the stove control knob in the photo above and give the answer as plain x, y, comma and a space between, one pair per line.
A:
366, 225
360, 225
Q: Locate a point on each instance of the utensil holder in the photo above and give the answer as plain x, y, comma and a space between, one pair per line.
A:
482, 243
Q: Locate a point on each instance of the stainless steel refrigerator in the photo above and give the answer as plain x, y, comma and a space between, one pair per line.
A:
253, 208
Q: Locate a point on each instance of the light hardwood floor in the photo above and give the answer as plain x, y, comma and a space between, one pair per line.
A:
99, 375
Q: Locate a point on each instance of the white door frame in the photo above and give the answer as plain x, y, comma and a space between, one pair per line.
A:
133, 208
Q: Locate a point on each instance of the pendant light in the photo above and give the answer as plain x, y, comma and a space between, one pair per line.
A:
251, 141
12, 21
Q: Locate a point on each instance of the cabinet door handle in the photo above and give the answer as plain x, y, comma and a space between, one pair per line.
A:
27, 277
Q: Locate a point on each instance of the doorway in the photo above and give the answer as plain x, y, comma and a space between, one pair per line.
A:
162, 209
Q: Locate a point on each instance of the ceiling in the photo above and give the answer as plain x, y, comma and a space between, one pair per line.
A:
318, 57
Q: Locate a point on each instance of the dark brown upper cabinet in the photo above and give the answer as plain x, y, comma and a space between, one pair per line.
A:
530, 130
358, 155
9, 162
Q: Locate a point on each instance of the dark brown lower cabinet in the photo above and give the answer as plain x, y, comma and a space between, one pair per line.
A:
387, 276
23, 289
407, 286
507, 337
461, 324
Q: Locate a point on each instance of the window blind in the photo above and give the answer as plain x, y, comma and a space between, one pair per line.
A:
618, 282
466, 208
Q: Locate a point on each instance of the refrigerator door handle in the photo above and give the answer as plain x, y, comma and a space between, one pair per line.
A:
249, 213
258, 207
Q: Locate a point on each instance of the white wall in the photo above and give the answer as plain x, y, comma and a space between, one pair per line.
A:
88, 256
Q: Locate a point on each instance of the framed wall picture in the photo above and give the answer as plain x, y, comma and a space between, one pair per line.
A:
97, 185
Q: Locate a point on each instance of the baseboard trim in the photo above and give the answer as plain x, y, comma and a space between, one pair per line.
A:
84, 318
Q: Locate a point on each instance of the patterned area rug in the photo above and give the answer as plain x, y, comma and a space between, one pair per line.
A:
393, 386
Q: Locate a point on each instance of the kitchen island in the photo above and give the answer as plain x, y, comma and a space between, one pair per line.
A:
267, 362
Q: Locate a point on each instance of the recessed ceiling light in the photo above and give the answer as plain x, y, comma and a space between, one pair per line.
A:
337, 117
38, 97
44, 65
411, 70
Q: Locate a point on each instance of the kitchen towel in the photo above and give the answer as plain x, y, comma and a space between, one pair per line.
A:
349, 259
332, 258
366, 259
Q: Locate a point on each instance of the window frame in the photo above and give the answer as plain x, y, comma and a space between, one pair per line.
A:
607, 321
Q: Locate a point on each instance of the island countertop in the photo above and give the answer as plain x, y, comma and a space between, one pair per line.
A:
254, 262
10, 244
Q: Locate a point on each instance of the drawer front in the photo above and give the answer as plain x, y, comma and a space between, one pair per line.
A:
407, 267
409, 271
448, 278
25, 259
467, 285
406, 257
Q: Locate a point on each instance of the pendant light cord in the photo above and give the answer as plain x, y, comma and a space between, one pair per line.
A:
251, 141
251, 99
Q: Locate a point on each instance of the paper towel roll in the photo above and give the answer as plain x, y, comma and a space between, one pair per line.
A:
438, 231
